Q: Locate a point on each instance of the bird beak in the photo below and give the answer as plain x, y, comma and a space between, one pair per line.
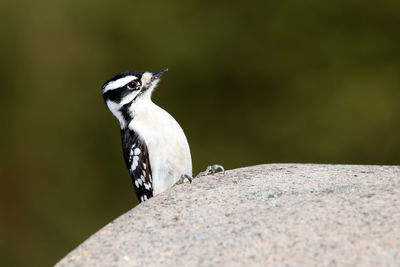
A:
158, 74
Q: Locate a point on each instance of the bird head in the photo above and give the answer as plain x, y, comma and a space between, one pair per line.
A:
127, 88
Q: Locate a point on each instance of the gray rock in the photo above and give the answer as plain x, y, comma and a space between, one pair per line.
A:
276, 214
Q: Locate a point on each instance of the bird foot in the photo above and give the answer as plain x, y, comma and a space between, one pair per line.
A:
184, 177
211, 170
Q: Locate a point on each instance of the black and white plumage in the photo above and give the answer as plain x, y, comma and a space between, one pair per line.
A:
155, 148
137, 159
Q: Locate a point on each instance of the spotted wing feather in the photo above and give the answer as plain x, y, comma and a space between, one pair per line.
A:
137, 160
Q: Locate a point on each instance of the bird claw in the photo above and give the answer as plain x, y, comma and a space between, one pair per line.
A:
211, 170
183, 178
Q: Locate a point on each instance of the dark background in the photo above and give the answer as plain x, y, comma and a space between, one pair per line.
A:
250, 82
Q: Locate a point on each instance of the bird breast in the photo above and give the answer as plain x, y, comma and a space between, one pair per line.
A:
166, 142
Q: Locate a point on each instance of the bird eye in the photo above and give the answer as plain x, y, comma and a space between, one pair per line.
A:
133, 85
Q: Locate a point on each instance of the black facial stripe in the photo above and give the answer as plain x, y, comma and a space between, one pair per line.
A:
125, 111
116, 95
137, 74
134, 85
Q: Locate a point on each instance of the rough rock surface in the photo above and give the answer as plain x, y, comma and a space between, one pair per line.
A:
275, 214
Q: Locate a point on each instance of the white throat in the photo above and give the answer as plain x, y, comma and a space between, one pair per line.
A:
141, 105
115, 110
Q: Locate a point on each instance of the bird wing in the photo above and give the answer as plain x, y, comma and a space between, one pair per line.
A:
137, 160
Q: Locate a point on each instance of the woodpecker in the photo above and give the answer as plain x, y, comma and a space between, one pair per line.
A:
154, 145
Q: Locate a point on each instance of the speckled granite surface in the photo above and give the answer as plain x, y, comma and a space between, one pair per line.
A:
295, 214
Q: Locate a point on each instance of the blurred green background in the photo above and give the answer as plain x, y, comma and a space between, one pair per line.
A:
250, 82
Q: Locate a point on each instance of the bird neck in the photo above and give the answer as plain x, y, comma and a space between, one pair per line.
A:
135, 109
126, 115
